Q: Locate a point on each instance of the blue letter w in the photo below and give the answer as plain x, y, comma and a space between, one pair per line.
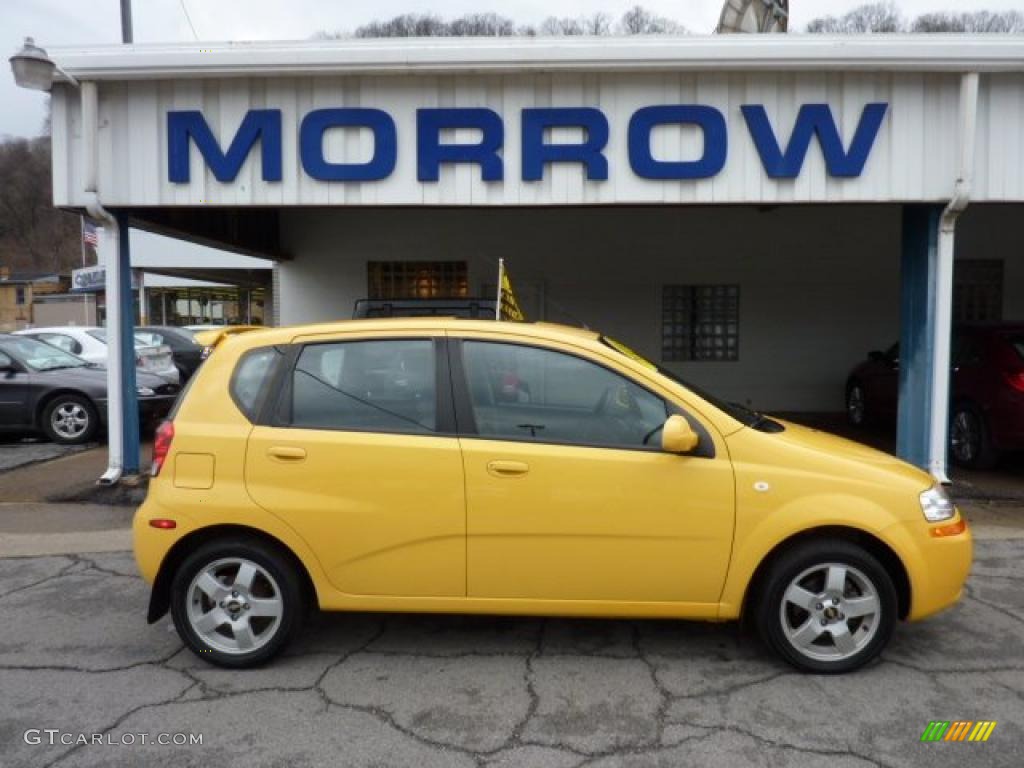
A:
813, 119
262, 124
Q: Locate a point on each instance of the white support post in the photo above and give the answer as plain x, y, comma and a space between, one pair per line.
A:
943, 317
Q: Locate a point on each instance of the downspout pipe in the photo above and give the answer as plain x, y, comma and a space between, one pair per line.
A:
115, 390
943, 316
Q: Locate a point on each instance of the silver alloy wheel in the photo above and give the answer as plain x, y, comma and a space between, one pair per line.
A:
234, 605
855, 405
830, 612
964, 437
69, 420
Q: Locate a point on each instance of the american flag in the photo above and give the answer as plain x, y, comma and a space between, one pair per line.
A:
89, 236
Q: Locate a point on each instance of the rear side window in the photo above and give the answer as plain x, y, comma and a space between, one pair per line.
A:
249, 382
367, 386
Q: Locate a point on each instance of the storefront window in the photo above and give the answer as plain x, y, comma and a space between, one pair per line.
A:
417, 279
205, 306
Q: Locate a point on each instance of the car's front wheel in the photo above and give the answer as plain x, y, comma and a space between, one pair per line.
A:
70, 419
827, 606
970, 444
236, 603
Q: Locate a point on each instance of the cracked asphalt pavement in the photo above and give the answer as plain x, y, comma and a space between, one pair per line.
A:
403, 690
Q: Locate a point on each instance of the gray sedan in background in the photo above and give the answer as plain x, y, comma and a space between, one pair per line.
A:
46, 390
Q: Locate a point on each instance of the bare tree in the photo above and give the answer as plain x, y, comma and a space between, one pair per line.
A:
1007, 22
636, 21
868, 18
482, 25
33, 234
406, 25
595, 24
640, 21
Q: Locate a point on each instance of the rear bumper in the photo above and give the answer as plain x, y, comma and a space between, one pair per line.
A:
150, 408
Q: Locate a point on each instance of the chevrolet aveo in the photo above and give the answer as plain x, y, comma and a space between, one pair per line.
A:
463, 466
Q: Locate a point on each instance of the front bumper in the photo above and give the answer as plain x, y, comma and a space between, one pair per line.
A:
937, 567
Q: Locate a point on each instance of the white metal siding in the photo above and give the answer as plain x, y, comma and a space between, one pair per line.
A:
913, 158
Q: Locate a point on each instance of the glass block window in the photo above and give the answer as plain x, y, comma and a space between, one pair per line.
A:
700, 323
977, 290
417, 279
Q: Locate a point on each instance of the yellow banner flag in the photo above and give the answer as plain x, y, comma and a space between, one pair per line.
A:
508, 306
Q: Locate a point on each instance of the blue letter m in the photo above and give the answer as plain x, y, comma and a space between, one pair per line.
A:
262, 124
814, 119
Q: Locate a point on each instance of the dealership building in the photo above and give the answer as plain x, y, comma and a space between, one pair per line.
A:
753, 212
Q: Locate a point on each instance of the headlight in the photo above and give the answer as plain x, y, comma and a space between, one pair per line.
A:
936, 505
144, 391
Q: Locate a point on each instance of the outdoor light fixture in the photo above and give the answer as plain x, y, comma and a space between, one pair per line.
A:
33, 69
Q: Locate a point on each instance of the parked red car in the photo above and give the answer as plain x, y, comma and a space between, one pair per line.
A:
986, 392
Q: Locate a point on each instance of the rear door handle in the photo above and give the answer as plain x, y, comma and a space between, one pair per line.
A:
287, 453
507, 468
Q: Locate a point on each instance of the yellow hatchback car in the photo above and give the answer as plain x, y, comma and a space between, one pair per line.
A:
461, 466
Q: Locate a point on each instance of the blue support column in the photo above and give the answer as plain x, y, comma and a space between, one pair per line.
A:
130, 416
918, 267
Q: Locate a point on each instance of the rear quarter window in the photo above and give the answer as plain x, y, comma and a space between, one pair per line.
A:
251, 379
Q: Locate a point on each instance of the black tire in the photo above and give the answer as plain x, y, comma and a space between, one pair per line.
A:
62, 419
970, 442
285, 579
856, 410
874, 632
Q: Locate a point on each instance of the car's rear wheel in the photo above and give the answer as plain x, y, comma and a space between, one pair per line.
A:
856, 407
70, 419
827, 606
969, 442
236, 604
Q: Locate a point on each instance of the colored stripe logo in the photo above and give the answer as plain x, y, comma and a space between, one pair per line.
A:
958, 730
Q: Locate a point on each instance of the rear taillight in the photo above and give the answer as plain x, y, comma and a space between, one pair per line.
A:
161, 446
1016, 380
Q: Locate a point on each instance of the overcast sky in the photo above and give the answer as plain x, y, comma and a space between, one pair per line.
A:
73, 22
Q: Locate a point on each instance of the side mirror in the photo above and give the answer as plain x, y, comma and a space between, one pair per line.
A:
7, 364
677, 436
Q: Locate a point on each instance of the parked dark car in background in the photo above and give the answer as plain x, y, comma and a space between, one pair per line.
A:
44, 389
986, 392
186, 351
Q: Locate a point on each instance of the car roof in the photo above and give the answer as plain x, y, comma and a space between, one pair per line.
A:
283, 334
60, 329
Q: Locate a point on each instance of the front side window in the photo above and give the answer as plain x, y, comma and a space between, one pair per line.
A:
368, 386
528, 393
39, 356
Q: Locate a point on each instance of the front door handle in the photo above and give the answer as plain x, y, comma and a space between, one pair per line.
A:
507, 468
287, 453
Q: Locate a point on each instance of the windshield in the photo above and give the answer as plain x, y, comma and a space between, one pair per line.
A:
39, 356
739, 412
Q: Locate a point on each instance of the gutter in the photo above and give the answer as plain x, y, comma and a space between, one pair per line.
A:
943, 317
90, 175
956, 54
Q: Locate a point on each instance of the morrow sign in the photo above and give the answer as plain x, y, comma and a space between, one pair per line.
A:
780, 159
